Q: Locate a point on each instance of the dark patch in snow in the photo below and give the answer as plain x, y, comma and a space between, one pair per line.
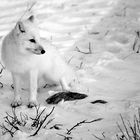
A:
66, 96
56, 126
99, 101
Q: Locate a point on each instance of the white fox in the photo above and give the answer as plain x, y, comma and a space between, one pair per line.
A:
23, 52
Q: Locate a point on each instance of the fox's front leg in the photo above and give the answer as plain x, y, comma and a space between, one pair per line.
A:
33, 78
17, 89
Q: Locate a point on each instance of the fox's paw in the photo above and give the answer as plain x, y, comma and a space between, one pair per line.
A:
16, 103
32, 104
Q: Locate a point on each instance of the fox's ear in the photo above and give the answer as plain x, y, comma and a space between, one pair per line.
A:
20, 27
31, 18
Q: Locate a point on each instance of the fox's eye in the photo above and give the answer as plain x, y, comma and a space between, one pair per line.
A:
32, 40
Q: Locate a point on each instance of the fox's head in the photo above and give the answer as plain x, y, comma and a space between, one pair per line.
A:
26, 34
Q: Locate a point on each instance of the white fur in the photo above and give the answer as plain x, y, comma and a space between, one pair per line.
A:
19, 58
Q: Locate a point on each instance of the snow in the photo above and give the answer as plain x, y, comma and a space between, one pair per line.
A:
110, 72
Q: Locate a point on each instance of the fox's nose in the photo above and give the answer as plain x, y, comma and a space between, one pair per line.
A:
42, 51
38, 50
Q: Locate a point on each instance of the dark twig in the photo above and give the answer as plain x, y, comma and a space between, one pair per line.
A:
139, 114
42, 122
9, 115
24, 118
106, 33
1, 85
89, 47
125, 126
81, 64
137, 123
128, 55
12, 86
48, 122
6, 130
36, 120
136, 42
134, 130
14, 121
131, 131
56, 126
65, 137
11, 123
70, 60
89, 52
103, 134
82, 122
123, 135
94, 32
1, 70
2, 65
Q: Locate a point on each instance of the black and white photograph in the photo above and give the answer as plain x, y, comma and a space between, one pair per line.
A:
69, 70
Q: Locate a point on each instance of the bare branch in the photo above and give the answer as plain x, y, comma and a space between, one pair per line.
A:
2, 65
125, 126
70, 60
1, 85
36, 121
14, 121
65, 137
11, 123
81, 64
23, 118
82, 122
6, 130
42, 122
128, 55
56, 126
103, 134
121, 131
106, 33
48, 122
89, 52
1, 71
135, 42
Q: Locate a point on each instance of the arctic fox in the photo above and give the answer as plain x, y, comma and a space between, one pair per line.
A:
24, 53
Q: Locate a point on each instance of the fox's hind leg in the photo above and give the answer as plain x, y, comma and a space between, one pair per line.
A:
64, 84
17, 89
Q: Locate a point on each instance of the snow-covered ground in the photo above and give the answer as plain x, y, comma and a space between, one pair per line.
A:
109, 72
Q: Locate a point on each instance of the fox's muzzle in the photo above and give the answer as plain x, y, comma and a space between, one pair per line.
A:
39, 50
